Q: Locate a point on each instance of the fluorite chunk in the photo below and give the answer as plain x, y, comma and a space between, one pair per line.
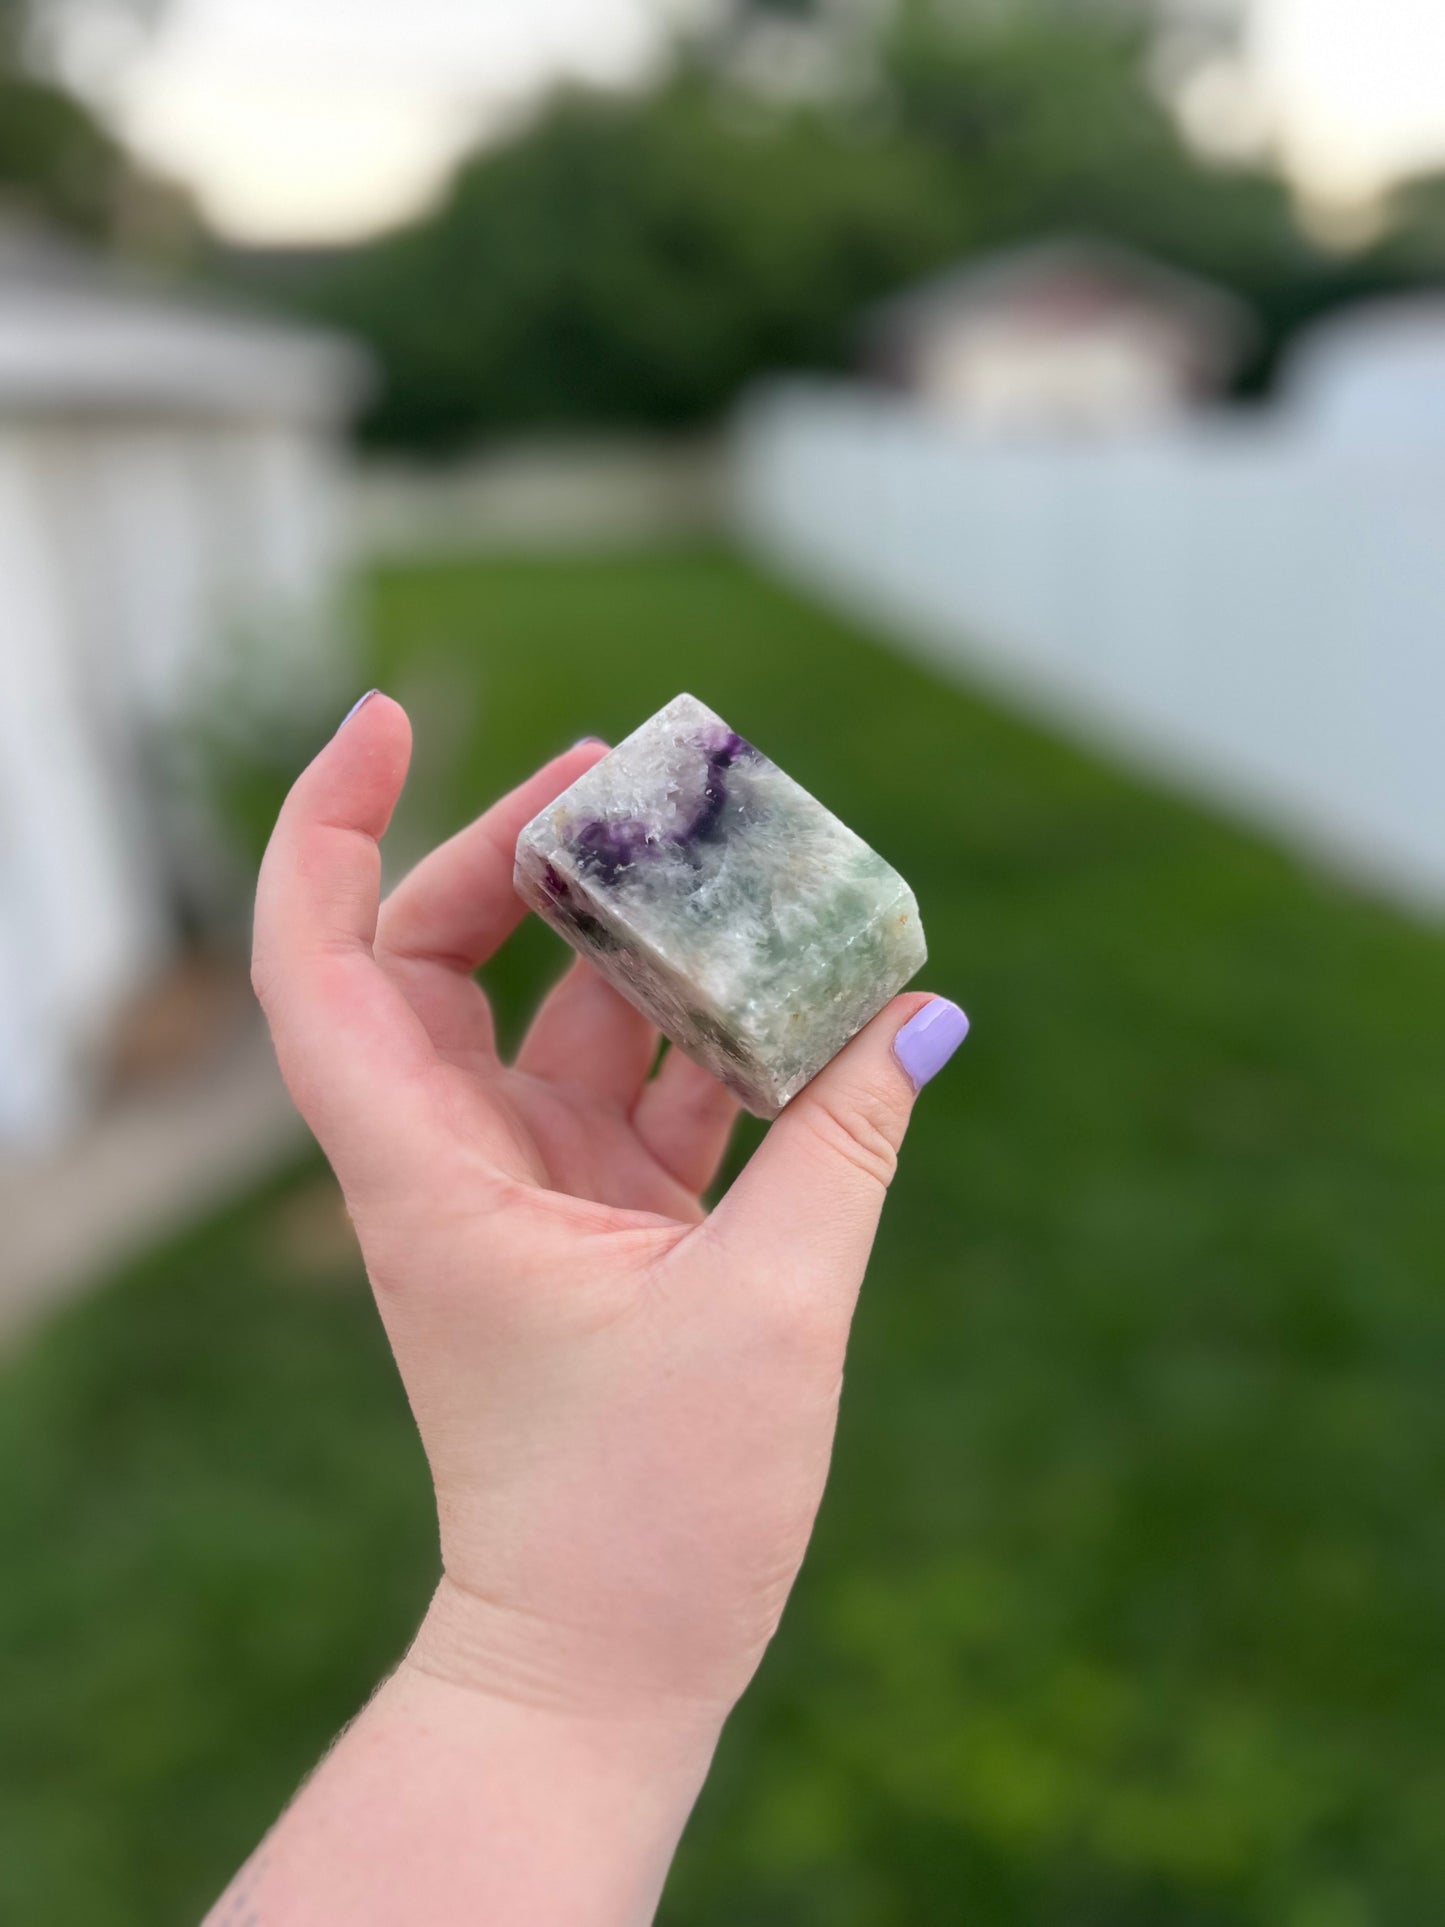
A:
753, 928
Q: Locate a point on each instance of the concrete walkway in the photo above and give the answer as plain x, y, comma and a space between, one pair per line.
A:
147, 1166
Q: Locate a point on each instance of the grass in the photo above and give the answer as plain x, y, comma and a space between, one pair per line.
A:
1126, 1606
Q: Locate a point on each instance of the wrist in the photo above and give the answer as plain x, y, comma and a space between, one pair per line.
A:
451, 1799
574, 1674
499, 1667
591, 1791
573, 1759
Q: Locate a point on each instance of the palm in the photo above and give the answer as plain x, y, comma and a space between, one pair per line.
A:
579, 1113
566, 1137
590, 1150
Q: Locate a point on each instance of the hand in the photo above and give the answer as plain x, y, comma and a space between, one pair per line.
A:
628, 1406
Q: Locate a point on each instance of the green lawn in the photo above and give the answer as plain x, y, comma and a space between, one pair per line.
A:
1127, 1607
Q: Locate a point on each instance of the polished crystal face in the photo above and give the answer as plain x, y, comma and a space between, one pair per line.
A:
756, 930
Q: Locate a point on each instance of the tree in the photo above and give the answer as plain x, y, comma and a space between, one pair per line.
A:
635, 261
1048, 115
56, 159
638, 259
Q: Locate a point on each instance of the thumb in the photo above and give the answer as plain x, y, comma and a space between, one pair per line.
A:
350, 1047
812, 1194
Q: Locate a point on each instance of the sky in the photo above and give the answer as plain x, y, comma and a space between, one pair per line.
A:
1354, 89
298, 121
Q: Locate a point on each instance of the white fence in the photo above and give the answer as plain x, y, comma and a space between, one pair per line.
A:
1259, 616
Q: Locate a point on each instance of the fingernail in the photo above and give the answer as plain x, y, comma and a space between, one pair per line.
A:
588, 742
355, 706
929, 1039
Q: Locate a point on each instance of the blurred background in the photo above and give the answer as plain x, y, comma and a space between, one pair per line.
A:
1026, 420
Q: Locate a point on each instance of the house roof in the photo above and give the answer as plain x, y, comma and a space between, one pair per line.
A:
82, 335
1017, 277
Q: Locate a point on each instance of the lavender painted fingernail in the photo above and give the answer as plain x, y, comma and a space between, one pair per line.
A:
361, 704
589, 742
929, 1039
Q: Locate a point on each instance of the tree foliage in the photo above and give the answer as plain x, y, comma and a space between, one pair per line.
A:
634, 260
56, 160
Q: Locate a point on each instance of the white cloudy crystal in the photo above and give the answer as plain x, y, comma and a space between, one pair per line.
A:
756, 930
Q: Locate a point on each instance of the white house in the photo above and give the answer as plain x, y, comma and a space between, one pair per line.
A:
170, 519
1071, 335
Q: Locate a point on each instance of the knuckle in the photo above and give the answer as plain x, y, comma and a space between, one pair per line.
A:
864, 1132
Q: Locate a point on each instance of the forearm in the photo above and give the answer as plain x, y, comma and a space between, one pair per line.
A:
443, 1806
